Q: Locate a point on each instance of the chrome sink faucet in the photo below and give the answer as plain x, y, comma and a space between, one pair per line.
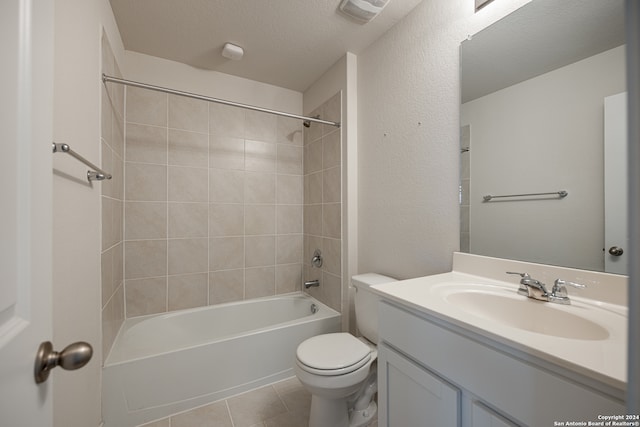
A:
535, 289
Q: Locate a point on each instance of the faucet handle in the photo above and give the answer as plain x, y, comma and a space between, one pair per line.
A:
559, 289
523, 275
522, 290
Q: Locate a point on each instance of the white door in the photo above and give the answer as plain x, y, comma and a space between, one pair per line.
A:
26, 89
616, 237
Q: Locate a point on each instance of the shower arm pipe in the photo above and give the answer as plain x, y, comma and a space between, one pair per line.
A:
106, 78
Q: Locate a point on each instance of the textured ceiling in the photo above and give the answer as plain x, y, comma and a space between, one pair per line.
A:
287, 43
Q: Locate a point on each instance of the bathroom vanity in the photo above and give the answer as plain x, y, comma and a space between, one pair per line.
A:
464, 349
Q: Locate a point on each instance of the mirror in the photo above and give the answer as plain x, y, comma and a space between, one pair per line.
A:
533, 88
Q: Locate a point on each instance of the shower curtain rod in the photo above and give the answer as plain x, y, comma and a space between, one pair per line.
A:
106, 78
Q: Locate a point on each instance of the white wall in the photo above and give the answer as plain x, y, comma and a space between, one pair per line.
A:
551, 142
408, 130
76, 205
174, 75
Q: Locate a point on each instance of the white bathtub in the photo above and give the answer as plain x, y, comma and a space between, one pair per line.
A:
163, 364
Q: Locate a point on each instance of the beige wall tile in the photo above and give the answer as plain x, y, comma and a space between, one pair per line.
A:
118, 222
331, 183
188, 291
259, 282
117, 181
332, 255
118, 264
188, 148
187, 184
289, 131
289, 248
331, 291
145, 258
289, 219
313, 188
290, 159
259, 187
107, 165
260, 126
260, 251
289, 189
331, 221
226, 186
188, 256
226, 121
313, 220
146, 144
107, 209
226, 253
106, 275
188, 220
146, 296
314, 131
226, 152
226, 219
260, 156
112, 318
332, 111
145, 182
313, 157
331, 150
145, 220
117, 134
259, 219
188, 114
311, 243
146, 106
226, 286
288, 278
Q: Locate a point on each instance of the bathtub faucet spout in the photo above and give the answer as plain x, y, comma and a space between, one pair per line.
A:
310, 283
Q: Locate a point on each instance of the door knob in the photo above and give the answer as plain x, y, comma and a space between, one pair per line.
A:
73, 356
615, 251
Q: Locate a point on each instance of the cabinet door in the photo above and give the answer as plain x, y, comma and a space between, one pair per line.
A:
411, 396
481, 416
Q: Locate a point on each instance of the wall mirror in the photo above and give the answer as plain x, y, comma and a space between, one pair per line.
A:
534, 86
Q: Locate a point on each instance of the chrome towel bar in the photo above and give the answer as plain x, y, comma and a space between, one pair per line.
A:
96, 174
561, 194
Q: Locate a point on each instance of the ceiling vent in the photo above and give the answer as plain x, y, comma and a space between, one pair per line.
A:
362, 11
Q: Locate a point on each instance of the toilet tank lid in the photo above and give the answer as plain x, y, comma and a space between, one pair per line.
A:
370, 279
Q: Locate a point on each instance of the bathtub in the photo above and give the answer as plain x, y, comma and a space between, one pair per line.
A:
172, 362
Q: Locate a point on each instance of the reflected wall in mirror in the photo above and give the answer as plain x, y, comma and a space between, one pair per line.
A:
532, 121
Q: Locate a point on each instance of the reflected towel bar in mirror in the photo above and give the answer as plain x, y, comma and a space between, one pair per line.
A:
96, 174
561, 194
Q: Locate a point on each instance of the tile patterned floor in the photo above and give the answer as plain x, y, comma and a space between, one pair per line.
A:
282, 404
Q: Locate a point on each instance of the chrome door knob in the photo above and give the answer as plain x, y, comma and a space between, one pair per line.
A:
73, 356
615, 251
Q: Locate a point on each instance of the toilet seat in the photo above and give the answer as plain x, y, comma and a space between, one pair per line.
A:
332, 354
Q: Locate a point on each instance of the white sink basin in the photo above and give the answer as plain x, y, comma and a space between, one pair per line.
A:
520, 312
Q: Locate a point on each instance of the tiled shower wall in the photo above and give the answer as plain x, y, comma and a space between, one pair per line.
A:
322, 203
112, 145
213, 203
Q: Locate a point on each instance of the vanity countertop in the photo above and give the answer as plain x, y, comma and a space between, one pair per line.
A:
602, 357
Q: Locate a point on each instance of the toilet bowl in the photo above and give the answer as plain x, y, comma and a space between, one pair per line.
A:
339, 370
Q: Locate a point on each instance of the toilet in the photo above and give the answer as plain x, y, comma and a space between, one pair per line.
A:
338, 369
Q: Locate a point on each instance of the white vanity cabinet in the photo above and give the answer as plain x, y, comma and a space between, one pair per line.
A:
432, 373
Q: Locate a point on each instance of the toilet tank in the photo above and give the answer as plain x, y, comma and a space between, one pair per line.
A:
366, 303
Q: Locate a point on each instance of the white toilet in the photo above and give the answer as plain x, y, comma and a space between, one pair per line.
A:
337, 368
